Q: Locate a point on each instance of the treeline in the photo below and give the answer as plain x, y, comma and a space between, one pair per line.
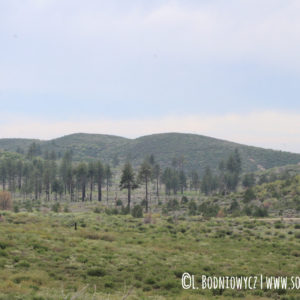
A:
48, 178
36, 176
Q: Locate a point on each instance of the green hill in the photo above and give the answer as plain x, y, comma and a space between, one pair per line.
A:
198, 151
13, 145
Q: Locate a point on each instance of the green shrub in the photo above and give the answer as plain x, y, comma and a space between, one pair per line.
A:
97, 210
208, 209
23, 264
55, 207
173, 204
97, 272
247, 210
107, 238
260, 212
249, 195
278, 225
295, 253
3, 245
28, 206
124, 210
119, 202
150, 280
169, 284
137, 211
192, 208
16, 208
184, 200
113, 211
297, 235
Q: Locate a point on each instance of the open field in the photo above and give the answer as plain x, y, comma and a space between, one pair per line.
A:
114, 256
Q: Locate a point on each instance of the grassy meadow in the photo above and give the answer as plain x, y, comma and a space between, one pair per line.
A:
42, 256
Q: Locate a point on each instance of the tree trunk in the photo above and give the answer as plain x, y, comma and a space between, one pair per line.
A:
107, 193
91, 191
157, 190
129, 198
83, 193
99, 191
146, 195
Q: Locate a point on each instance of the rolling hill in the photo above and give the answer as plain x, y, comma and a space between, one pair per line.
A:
198, 151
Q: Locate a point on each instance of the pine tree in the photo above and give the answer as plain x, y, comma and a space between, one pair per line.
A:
144, 176
182, 181
156, 175
99, 178
108, 176
81, 176
128, 181
91, 177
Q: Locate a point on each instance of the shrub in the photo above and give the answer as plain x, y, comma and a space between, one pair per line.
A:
260, 212
192, 208
249, 195
208, 209
278, 225
113, 211
97, 210
169, 284
119, 202
172, 204
247, 210
3, 245
137, 211
234, 206
124, 210
5, 200
96, 272
23, 264
16, 208
295, 253
184, 200
55, 207
107, 238
28, 206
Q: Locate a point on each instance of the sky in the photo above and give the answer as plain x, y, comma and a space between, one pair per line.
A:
223, 68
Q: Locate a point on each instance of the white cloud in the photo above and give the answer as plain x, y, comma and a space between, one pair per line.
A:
276, 130
263, 30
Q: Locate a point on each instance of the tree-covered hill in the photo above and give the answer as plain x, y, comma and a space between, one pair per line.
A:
195, 151
16, 145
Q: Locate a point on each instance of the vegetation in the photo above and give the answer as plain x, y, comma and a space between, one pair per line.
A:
59, 238
5, 200
43, 257
198, 151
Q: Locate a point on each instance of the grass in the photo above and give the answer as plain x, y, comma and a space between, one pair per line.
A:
111, 256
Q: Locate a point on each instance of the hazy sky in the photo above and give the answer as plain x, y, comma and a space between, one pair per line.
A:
228, 69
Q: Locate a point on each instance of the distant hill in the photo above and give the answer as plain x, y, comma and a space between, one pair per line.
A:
13, 145
198, 151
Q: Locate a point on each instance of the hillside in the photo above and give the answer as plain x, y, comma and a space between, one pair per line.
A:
12, 145
198, 151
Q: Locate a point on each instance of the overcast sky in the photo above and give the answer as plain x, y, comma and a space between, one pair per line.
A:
228, 69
